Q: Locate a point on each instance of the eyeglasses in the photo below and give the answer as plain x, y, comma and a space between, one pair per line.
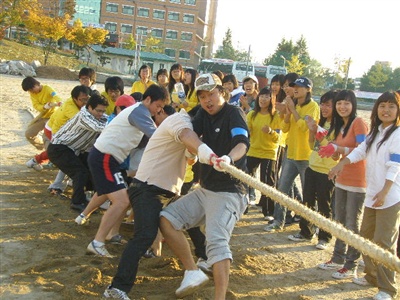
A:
100, 111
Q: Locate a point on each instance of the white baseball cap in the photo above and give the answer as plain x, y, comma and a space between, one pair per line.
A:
207, 82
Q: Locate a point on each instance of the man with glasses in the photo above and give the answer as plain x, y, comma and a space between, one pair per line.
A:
68, 147
114, 87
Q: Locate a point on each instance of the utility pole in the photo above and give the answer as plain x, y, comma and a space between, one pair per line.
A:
347, 73
247, 60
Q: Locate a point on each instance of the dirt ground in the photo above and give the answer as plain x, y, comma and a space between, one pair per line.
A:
43, 250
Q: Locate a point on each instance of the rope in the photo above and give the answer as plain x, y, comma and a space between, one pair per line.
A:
338, 230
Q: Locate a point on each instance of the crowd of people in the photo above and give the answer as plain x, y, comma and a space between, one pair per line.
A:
158, 153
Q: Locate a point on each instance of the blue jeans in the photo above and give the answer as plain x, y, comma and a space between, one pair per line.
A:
291, 168
146, 201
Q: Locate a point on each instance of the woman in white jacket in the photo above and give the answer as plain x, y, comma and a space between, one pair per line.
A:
381, 218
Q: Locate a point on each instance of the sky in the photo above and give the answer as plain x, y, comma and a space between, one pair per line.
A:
364, 30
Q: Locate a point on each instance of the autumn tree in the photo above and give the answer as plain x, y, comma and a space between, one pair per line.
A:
13, 13
153, 44
47, 30
84, 37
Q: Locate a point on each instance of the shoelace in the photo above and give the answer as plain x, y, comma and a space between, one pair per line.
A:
343, 270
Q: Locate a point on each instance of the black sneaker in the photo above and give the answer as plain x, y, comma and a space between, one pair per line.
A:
79, 207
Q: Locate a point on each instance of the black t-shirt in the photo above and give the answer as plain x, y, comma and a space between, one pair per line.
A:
222, 132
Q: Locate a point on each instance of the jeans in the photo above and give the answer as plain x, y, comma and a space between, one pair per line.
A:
348, 212
147, 202
317, 188
290, 169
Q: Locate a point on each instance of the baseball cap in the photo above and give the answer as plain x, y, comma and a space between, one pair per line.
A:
302, 81
125, 100
254, 78
207, 82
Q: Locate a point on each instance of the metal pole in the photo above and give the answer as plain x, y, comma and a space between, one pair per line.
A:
247, 61
347, 74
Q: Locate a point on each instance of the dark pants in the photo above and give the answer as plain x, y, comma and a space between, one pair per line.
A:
268, 176
147, 202
318, 190
74, 166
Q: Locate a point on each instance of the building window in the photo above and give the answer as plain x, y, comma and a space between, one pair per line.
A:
175, 1
190, 2
172, 34
128, 10
170, 52
143, 12
157, 33
173, 16
111, 7
126, 28
158, 14
112, 27
188, 18
141, 30
187, 36
184, 54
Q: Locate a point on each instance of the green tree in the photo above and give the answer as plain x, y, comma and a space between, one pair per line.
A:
227, 50
284, 49
154, 45
375, 80
129, 43
394, 80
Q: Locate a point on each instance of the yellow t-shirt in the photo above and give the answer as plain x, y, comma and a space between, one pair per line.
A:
263, 145
139, 86
297, 132
111, 103
66, 112
39, 100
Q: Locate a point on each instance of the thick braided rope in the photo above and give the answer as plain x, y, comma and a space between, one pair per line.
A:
363, 245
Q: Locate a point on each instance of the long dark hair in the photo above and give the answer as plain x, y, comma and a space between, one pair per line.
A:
337, 121
387, 97
281, 79
189, 88
330, 95
172, 81
257, 108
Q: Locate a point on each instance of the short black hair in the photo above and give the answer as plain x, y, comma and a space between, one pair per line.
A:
28, 83
88, 72
156, 92
138, 96
169, 110
80, 89
114, 83
96, 100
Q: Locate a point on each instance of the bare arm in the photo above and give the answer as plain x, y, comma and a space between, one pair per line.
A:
238, 152
190, 139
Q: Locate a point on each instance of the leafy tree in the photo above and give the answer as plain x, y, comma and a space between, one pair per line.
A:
295, 65
129, 43
84, 37
227, 50
375, 79
14, 12
68, 7
47, 30
153, 44
394, 81
284, 49
103, 59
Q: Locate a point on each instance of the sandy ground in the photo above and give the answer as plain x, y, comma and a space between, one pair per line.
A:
43, 250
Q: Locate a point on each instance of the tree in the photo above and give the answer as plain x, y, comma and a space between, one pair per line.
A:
227, 50
47, 30
129, 43
376, 78
394, 81
295, 65
84, 37
14, 12
153, 44
68, 7
284, 49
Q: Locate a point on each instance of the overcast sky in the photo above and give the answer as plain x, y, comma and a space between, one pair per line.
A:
363, 30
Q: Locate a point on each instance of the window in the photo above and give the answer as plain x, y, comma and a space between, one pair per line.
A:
128, 10
111, 7
162, 66
126, 28
184, 54
157, 33
173, 16
175, 1
172, 34
143, 12
190, 2
141, 30
170, 52
111, 27
187, 36
159, 14
188, 18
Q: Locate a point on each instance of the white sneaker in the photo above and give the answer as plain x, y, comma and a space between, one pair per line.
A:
382, 296
192, 281
32, 163
105, 205
204, 266
97, 250
361, 263
81, 219
344, 273
330, 265
115, 293
322, 245
361, 281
